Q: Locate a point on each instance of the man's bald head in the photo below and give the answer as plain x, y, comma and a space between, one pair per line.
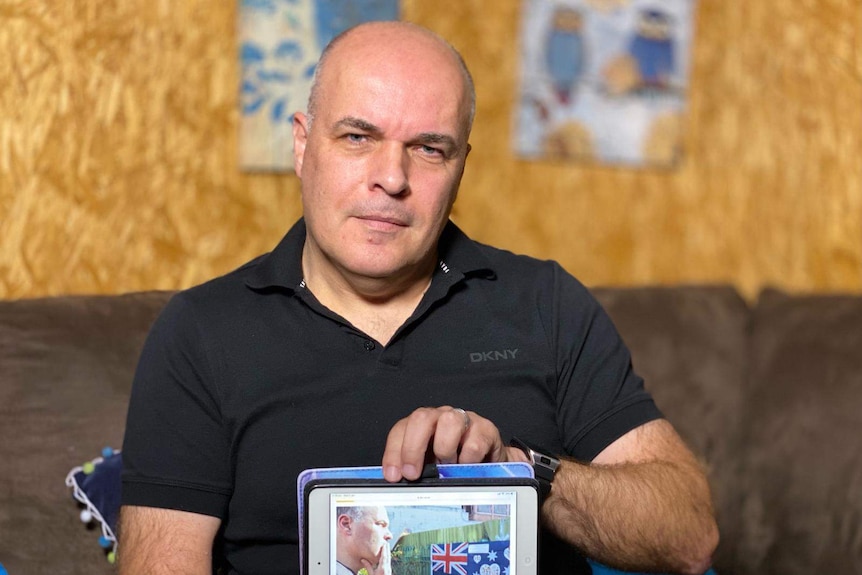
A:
396, 37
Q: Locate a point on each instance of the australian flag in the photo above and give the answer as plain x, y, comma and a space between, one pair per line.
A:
481, 558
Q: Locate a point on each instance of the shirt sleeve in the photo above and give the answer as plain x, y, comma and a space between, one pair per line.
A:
599, 396
175, 450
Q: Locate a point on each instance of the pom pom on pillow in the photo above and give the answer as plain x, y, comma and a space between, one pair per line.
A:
96, 485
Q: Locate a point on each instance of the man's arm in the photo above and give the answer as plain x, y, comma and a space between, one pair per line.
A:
642, 504
165, 542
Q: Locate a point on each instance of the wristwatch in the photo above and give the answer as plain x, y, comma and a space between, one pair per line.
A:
544, 465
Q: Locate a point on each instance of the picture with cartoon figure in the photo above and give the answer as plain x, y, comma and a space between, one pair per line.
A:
603, 80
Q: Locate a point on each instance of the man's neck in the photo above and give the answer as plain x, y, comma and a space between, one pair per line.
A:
377, 306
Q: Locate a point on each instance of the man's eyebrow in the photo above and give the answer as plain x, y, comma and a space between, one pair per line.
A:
356, 124
437, 138
446, 142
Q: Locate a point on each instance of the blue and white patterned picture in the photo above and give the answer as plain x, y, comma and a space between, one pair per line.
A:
604, 80
279, 44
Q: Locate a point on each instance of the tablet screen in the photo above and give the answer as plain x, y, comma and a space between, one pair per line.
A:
461, 530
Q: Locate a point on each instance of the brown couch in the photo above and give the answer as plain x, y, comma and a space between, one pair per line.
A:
769, 395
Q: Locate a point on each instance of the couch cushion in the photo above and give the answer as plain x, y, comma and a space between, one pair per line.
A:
689, 345
66, 368
803, 486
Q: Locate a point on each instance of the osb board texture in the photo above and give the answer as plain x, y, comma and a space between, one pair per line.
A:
118, 153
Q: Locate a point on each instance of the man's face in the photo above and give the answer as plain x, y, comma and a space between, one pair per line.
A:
381, 164
370, 533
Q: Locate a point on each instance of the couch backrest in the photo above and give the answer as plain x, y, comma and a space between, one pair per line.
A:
66, 367
802, 487
770, 398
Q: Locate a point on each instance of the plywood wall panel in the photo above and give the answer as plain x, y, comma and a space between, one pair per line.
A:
118, 163
773, 148
118, 166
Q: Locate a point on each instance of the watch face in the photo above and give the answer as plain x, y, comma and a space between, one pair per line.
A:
547, 461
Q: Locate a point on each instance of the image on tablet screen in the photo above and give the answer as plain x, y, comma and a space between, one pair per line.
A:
423, 533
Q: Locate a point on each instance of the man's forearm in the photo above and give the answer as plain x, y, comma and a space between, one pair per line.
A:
165, 542
653, 515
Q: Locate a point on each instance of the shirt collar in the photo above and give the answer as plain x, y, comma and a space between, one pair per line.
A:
458, 255
282, 267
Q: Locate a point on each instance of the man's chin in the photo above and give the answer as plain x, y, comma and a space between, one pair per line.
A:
375, 268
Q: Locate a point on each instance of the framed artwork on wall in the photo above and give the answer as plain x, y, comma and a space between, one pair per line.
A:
603, 80
280, 42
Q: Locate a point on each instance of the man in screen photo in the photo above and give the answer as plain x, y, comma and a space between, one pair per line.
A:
362, 540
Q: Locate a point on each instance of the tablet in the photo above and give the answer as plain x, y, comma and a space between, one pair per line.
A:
486, 526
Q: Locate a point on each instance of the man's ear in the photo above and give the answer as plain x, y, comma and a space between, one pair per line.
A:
344, 523
300, 139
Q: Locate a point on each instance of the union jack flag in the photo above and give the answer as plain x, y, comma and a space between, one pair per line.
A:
449, 558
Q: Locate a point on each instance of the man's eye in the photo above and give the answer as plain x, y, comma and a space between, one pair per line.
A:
431, 151
356, 138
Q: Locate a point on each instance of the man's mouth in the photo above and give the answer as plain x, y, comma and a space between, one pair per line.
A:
383, 222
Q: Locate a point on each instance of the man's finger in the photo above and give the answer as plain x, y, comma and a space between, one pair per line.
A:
408, 443
421, 427
392, 452
452, 424
385, 564
453, 435
481, 442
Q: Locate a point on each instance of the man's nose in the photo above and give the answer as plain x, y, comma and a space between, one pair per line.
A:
389, 168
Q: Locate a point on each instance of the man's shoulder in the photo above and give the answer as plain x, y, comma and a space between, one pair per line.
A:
229, 287
470, 255
504, 258
521, 268
277, 270
517, 277
216, 304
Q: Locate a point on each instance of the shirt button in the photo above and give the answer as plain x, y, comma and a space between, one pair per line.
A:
369, 345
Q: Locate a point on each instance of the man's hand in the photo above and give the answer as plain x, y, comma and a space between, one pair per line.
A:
384, 562
442, 435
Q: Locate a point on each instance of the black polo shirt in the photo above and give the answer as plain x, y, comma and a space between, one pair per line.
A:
247, 380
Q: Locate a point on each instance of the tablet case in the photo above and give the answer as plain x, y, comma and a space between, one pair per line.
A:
444, 474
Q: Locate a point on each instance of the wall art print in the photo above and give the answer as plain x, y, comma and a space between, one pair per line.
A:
604, 80
280, 42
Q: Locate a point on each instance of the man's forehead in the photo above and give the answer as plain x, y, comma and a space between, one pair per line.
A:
394, 106
397, 73
415, 59
400, 81
377, 513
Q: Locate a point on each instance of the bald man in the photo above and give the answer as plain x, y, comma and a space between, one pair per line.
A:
362, 541
377, 333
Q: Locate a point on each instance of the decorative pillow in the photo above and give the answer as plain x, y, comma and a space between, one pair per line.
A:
96, 486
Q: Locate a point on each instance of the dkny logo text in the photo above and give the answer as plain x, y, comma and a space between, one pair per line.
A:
478, 356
